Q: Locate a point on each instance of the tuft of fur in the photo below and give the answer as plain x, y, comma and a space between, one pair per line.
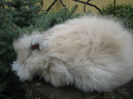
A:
91, 53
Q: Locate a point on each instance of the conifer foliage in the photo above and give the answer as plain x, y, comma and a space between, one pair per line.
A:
123, 12
14, 14
22, 12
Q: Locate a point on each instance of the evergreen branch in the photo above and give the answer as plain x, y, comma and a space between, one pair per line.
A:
87, 3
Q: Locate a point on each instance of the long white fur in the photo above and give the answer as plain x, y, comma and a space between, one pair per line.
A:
91, 53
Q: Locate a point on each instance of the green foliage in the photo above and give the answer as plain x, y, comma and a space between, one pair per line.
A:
14, 15
22, 12
124, 12
9, 83
46, 21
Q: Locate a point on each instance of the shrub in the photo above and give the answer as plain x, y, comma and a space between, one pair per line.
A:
9, 83
22, 12
124, 12
46, 21
14, 14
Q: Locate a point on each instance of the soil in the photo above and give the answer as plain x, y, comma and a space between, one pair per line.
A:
43, 90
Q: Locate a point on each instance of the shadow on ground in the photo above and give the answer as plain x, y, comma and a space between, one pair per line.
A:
42, 90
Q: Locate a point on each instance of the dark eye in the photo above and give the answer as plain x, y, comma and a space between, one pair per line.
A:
35, 46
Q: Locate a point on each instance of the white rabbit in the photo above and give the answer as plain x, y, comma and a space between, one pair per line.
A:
90, 52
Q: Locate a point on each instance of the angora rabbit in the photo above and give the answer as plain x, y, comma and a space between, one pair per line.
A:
92, 53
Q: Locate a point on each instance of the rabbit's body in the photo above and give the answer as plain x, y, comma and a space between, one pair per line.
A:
91, 53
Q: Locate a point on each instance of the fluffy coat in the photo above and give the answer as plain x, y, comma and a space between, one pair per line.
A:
90, 52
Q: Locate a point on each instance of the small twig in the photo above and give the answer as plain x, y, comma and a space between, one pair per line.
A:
62, 4
2, 5
41, 3
114, 13
49, 8
87, 3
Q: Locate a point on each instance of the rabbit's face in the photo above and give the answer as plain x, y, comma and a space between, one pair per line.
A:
30, 56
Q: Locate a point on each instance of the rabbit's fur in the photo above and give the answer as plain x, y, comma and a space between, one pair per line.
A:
90, 52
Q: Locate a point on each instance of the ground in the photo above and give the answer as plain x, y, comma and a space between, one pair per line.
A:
43, 90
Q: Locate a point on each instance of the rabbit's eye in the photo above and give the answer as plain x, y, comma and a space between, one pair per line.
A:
35, 46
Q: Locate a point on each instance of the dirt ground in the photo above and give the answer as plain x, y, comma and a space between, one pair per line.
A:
42, 90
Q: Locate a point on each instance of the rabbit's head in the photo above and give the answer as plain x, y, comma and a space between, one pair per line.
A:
31, 60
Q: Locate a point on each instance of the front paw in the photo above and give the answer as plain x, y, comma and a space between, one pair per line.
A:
59, 76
